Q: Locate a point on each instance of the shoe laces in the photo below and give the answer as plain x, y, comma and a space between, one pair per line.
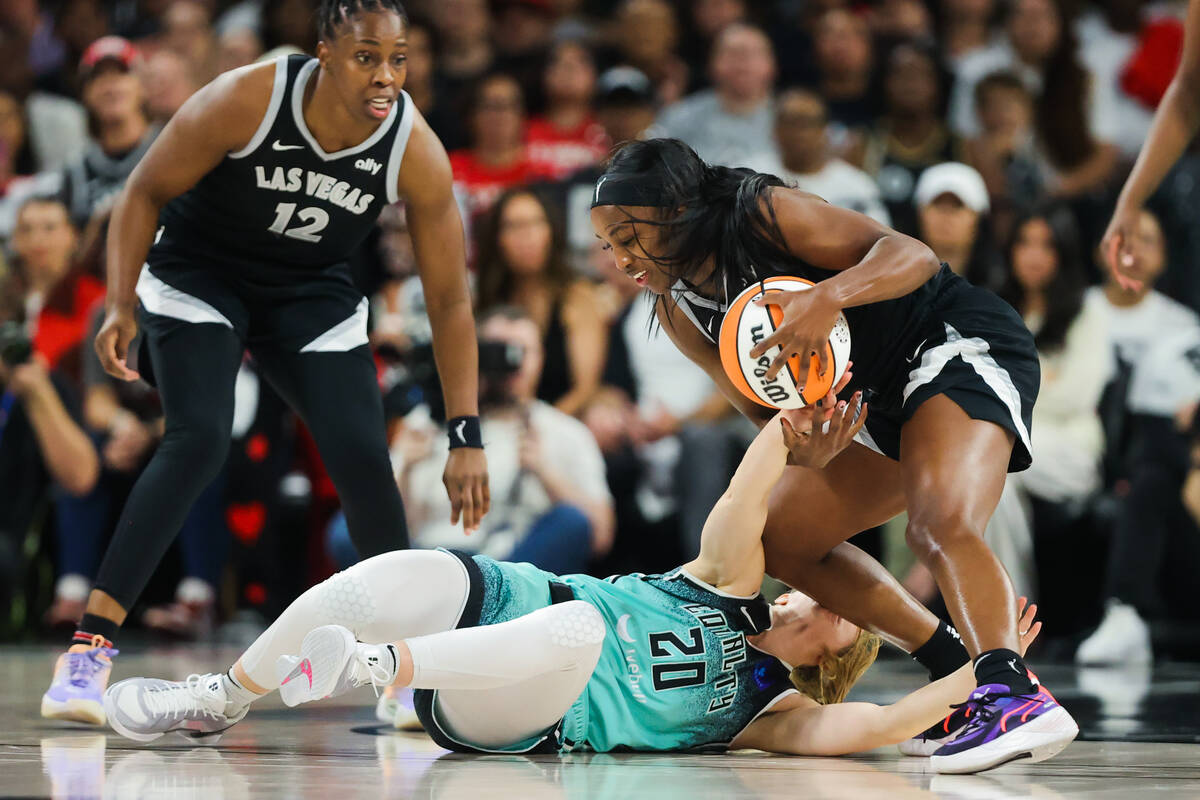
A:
81, 667
181, 698
372, 670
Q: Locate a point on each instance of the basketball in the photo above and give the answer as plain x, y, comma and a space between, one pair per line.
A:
747, 324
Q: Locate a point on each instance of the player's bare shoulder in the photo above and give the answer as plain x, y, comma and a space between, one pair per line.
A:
232, 106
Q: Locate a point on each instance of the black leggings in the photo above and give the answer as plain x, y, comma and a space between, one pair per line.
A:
195, 366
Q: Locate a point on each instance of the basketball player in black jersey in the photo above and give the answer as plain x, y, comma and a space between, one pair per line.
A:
233, 233
953, 373
1175, 125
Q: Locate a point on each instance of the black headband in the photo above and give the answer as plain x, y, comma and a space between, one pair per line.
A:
630, 189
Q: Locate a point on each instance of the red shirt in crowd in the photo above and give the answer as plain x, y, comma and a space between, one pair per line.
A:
61, 330
566, 151
481, 184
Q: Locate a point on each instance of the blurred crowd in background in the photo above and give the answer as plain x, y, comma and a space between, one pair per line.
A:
997, 132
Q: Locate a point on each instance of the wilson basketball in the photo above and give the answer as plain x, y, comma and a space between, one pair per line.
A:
746, 324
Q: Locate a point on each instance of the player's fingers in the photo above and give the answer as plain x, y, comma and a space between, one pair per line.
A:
766, 344
468, 509
455, 495
861, 409
822, 354
486, 491
779, 362
477, 499
845, 379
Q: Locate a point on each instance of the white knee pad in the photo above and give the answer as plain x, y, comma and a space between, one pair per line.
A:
346, 599
575, 624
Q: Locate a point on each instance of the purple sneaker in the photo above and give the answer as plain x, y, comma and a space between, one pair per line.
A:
77, 691
931, 739
1004, 726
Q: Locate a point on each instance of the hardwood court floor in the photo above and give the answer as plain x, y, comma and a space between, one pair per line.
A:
1141, 739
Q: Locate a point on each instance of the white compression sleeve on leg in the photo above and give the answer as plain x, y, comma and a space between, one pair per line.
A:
560, 637
389, 597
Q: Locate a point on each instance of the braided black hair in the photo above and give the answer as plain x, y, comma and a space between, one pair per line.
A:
331, 14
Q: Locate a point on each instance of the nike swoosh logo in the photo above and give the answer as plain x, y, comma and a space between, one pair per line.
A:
917, 351
458, 431
277, 145
303, 668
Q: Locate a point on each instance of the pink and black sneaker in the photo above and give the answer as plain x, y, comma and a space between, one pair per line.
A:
1004, 726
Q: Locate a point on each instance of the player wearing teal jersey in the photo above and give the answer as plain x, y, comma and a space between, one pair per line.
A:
509, 658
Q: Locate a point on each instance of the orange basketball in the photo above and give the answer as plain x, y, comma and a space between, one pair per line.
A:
746, 324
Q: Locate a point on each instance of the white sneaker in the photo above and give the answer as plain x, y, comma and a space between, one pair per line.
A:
395, 707
332, 662
1122, 638
143, 709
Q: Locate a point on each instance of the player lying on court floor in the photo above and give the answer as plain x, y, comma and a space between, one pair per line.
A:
508, 658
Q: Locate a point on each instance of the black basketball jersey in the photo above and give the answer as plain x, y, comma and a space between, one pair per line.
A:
882, 335
283, 201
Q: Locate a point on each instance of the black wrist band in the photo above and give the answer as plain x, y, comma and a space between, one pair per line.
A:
464, 432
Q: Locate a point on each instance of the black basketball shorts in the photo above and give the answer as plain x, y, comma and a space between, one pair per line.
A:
976, 350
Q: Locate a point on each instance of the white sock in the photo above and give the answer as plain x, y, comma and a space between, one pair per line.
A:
384, 659
237, 696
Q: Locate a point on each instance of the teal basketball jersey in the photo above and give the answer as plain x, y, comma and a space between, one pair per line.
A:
675, 671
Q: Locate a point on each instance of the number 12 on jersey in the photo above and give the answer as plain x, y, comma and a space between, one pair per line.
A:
314, 219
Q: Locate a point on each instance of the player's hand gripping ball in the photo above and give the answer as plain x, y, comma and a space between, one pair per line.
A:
746, 324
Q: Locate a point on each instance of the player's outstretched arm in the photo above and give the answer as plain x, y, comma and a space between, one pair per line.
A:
1175, 124
425, 181
731, 551
811, 729
219, 119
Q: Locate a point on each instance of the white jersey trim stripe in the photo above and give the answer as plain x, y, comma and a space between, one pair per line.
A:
346, 335
167, 301
399, 145
973, 351
298, 88
268, 120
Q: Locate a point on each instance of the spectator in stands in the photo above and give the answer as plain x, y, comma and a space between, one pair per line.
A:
625, 110
47, 305
187, 31
43, 443
804, 158
1044, 282
1074, 128
121, 132
77, 23
729, 124
966, 28
522, 37
46, 290
952, 206
902, 19
844, 60
659, 407
1139, 316
647, 37
553, 507
16, 151
170, 80
289, 23
465, 51
1005, 152
237, 47
399, 319
1157, 341
568, 137
522, 262
706, 19
498, 158
911, 135
427, 89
